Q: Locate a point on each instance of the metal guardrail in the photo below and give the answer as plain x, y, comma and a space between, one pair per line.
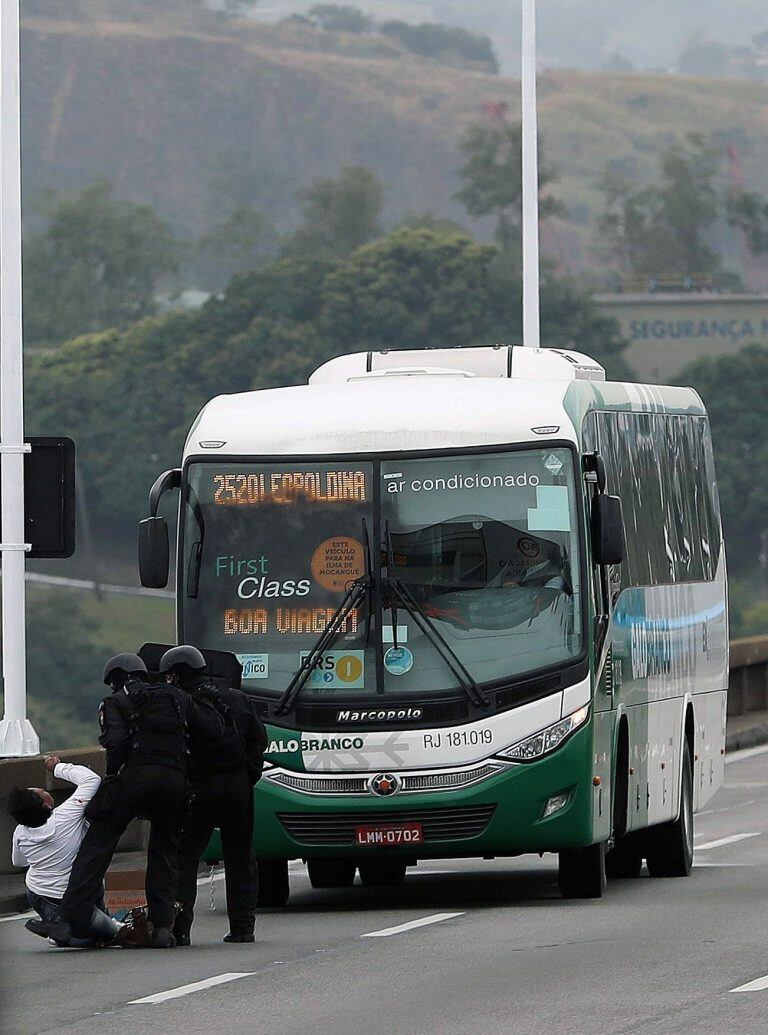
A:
748, 688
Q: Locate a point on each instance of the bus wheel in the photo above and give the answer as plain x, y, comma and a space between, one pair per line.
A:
669, 847
581, 872
274, 888
382, 873
625, 859
331, 873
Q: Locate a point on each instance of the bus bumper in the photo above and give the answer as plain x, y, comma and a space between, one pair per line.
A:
504, 815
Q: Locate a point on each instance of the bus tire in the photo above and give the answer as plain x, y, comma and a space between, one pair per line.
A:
382, 873
274, 886
669, 847
331, 873
581, 872
625, 859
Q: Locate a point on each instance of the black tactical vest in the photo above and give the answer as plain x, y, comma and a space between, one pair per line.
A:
157, 718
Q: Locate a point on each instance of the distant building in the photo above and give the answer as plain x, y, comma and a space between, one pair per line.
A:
666, 331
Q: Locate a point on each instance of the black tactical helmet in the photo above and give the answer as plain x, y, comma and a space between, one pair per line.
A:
128, 663
183, 655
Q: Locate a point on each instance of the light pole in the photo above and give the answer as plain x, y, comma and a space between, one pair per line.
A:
530, 166
17, 735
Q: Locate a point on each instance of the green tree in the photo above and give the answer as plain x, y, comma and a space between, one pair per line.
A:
245, 240
339, 18
98, 264
666, 228
444, 43
493, 178
748, 212
733, 390
339, 215
417, 288
128, 398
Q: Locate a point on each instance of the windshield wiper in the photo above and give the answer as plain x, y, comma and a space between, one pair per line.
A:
352, 599
398, 588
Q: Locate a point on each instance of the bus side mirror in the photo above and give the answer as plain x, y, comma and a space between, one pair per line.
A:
607, 530
154, 553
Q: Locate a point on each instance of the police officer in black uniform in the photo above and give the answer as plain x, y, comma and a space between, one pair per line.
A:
223, 772
145, 728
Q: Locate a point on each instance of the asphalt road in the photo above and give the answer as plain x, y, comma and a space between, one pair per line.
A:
501, 953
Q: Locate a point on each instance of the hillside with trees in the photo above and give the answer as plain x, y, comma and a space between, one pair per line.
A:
202, 116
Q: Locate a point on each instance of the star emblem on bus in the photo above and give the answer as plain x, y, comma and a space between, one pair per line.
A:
384, 785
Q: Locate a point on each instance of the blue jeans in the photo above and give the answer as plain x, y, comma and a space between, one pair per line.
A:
102, 927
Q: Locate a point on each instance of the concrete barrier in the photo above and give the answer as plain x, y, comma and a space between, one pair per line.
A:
748, 689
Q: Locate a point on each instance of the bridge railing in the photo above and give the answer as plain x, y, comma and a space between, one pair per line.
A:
748, 688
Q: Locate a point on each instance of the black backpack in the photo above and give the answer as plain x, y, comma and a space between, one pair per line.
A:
227, 751
157, 718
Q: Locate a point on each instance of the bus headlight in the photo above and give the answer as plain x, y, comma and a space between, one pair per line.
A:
545, 740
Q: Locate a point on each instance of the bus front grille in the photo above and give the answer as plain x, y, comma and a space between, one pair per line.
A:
338, 828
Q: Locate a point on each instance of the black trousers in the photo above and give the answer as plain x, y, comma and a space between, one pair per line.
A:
154, 792
223, 800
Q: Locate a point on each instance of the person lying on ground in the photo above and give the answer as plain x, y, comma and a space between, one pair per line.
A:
47, 840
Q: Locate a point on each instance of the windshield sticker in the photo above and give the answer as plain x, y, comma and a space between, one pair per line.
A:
255, 666
552, 511
460, 482
398, 661
388, 634
553, 464
337, 563
337, 669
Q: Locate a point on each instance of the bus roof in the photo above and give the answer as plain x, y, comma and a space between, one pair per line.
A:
411, 409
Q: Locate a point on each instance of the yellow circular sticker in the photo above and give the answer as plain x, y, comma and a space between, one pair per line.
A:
349, 668
338, 562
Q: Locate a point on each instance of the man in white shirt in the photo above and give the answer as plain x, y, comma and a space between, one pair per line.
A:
47, 840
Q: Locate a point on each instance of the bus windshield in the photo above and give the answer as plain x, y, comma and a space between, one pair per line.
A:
482, 549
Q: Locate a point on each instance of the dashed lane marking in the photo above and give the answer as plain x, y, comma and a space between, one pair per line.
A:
182, 990
758, 985
723, 841
387, 932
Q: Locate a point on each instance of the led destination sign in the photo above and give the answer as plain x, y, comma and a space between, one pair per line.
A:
293, 621
244, 490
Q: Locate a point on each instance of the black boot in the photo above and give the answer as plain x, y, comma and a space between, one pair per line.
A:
182, 930
240, 935
162, 938
58, 931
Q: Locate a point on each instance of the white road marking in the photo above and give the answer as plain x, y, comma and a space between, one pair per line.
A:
723, 866
17, 916
182, 990
723, 841
753, 986
740, 756
401, 928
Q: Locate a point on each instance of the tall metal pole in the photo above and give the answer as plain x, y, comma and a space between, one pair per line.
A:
531, 273
17, 735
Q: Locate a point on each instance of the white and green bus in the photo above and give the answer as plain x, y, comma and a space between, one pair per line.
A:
479, 597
